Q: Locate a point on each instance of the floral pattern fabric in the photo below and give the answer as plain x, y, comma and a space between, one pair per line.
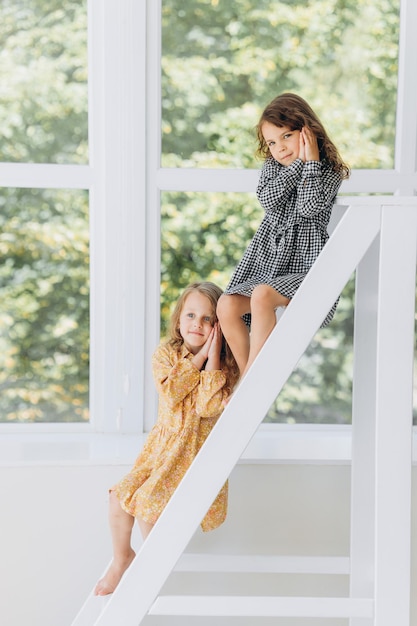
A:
190, 402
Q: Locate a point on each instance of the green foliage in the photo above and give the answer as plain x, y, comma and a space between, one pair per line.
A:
320, 388
222, 63
44, 249
43, 72
44, 316
226, 60
203, 235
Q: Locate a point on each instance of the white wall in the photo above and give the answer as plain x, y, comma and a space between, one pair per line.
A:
55, 542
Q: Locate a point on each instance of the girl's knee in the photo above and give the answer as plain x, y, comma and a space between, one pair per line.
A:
262, 294
261, 290
224, 307
266, 296
230, 307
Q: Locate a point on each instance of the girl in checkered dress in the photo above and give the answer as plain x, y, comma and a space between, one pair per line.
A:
299, 181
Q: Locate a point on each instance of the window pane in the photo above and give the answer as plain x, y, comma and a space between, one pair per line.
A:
203, 237
44, 305
43, 73
319, 390
222, 62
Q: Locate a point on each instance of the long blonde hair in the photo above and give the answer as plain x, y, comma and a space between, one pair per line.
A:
213, 293
291, 110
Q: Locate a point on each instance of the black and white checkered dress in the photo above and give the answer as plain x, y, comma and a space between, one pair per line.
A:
298, 201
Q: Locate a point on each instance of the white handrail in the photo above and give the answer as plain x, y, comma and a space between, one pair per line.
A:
350, 240
142, 582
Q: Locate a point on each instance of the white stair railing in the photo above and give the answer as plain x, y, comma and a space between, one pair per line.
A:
136, 594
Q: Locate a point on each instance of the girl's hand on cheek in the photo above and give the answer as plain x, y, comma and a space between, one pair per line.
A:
302, 149
202, 355
206, 347
213, 362
216, 344
311, 146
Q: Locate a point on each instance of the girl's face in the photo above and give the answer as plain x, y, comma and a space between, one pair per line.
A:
196, 321
283, 143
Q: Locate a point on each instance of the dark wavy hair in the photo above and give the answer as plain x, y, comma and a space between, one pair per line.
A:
291, 110
212, 293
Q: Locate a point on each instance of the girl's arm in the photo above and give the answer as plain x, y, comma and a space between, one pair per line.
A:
174, 379
318, 186
212, 393
317, 189
277, 183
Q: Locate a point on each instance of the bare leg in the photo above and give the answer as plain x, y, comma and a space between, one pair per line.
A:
121, 524
145, 527
230, 308
264, 301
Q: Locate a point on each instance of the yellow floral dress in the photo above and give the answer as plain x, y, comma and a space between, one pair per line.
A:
190, 402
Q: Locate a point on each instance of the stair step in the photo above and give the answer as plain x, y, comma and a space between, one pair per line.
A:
271, 564
263, 606
226, 563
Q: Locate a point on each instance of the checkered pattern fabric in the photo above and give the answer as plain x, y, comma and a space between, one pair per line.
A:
298, 201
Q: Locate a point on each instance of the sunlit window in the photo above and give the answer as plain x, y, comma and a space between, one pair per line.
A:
44, 313
221, 64
44, 233
43, 69
196, 242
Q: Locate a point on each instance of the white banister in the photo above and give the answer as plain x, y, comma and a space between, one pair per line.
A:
159, 553
380, 570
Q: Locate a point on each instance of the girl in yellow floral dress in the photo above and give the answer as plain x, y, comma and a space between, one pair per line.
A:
194, 373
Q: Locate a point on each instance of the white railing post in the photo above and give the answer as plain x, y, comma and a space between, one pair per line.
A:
394, 387
362, 530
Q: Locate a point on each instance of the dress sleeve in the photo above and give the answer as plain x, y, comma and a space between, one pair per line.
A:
317, 189
211, 393
174, 378
277, 183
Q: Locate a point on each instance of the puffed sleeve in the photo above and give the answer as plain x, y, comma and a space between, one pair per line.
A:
317, 189
175, 378
211, 393
277, 183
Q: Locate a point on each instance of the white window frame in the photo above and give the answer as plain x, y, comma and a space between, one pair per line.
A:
401, 181
116, 180
125, 180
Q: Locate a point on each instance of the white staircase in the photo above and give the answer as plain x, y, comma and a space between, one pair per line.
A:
379, 561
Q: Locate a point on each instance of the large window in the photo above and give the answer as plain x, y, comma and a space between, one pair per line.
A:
72, 240
44, 233
221, 64
118, 190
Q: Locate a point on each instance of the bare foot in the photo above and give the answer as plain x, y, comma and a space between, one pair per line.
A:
112, 577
